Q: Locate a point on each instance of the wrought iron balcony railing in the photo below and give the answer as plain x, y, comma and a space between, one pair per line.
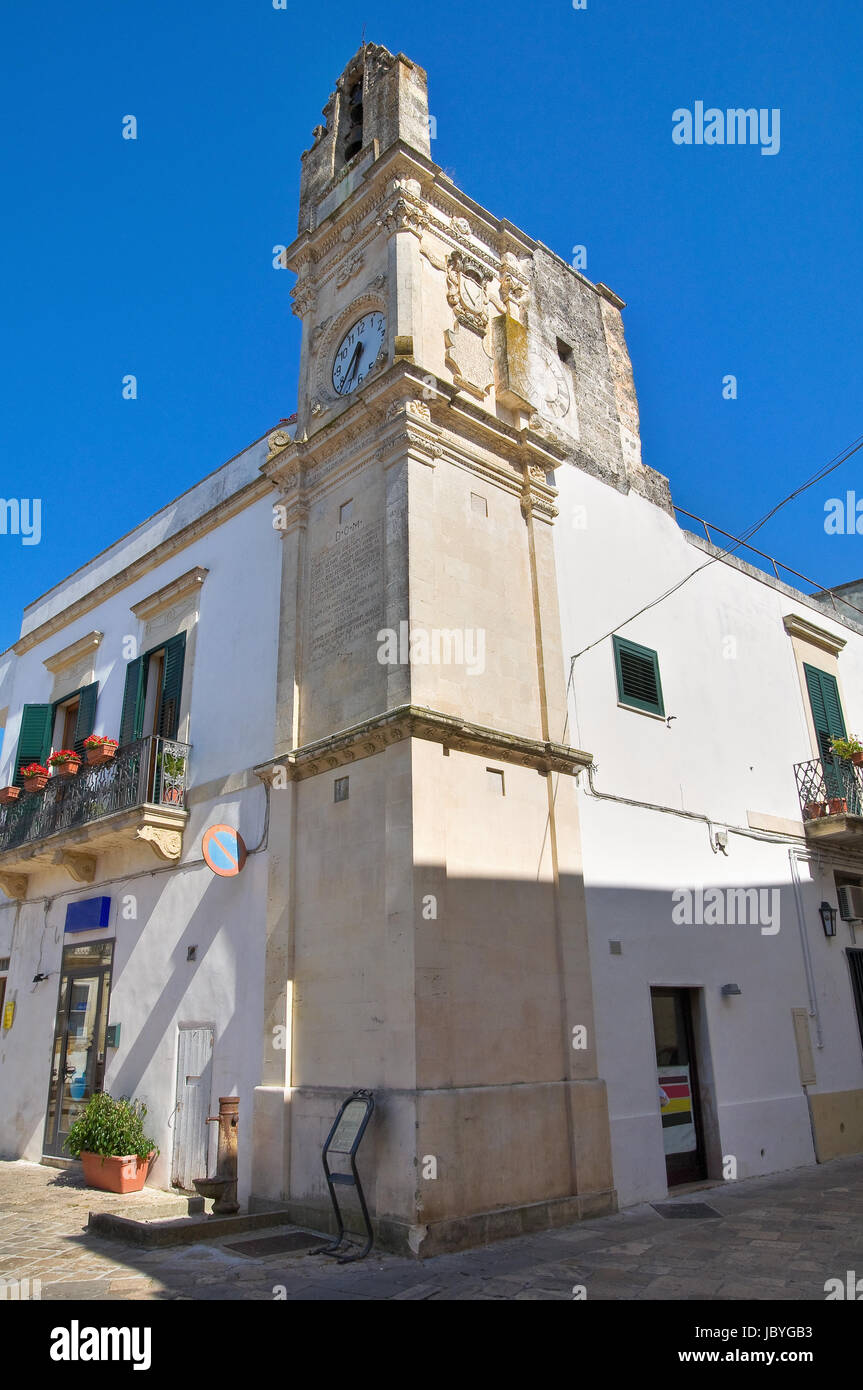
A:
150, 771
829, 787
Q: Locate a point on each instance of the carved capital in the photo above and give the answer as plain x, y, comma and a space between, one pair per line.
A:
166, 844
405, 214
514, 289
304, 295
419, 409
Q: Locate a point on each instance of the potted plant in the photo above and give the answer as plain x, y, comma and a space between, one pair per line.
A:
35, 777
9, 794
108, 1137
837, 806
848, 750
173, 769
98, 748
65, 762
814, 810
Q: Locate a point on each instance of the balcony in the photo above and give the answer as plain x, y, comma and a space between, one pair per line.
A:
140, 795
831, 800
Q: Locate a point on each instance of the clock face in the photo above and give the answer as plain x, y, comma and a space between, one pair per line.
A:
358, 351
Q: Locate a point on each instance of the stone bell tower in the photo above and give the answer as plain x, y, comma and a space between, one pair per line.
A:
426, 933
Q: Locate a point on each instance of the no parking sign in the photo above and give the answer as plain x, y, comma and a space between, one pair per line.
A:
224, 850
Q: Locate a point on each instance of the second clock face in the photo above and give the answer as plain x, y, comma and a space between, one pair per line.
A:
358, 351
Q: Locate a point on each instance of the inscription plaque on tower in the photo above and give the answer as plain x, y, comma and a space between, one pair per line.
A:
346, 593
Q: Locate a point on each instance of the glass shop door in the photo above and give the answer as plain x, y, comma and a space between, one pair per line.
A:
78, 1057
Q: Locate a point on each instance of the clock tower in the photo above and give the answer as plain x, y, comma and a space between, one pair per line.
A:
426, 933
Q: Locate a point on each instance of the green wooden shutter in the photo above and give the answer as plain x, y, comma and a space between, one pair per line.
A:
86, 715
132, 718
828, 720
34, 740
826, 707
637, 670
172, 686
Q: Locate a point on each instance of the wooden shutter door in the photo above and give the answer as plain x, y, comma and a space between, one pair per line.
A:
828, 720
34, 740
132, 718
172, 686
86, 716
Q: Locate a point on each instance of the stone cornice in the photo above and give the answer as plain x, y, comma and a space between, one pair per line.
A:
401, 410
188, 583
487, 236
172, 545
74, 652
412, 721
816, 636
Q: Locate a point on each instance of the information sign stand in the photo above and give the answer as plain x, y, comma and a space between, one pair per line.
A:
344, 1138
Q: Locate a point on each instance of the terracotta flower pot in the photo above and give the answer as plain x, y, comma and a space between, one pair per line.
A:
837, 806
857, 759
9, 794
97, 756
65, 769
119, 1173
36, 784
172, 795
814, 810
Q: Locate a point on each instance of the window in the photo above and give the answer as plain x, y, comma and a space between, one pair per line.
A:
495, 781
64, 724
66, 718
341, 789
638, 683
346, 511
826, 708
154, 684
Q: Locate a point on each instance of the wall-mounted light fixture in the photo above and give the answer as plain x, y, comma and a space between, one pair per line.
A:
828, 918
731, 989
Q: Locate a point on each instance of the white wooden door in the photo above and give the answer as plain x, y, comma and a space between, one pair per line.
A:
194, 1083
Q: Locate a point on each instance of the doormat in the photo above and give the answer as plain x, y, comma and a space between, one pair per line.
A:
289, 1243
691, 1211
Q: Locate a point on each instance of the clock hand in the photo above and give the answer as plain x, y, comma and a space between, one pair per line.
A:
355, 357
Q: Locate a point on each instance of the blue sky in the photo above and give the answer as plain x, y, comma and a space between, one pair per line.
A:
154, 256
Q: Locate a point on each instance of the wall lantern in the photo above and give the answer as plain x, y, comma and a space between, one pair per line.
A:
731, 989
828, 918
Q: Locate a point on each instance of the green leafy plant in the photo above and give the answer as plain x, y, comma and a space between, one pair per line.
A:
845, 748
173, 764
110, 1127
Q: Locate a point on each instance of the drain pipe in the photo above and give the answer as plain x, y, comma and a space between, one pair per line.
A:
794, 855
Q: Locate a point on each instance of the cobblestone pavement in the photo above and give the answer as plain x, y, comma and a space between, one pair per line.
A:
776, 1238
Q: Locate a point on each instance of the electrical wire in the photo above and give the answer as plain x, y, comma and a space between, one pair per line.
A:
836, 462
